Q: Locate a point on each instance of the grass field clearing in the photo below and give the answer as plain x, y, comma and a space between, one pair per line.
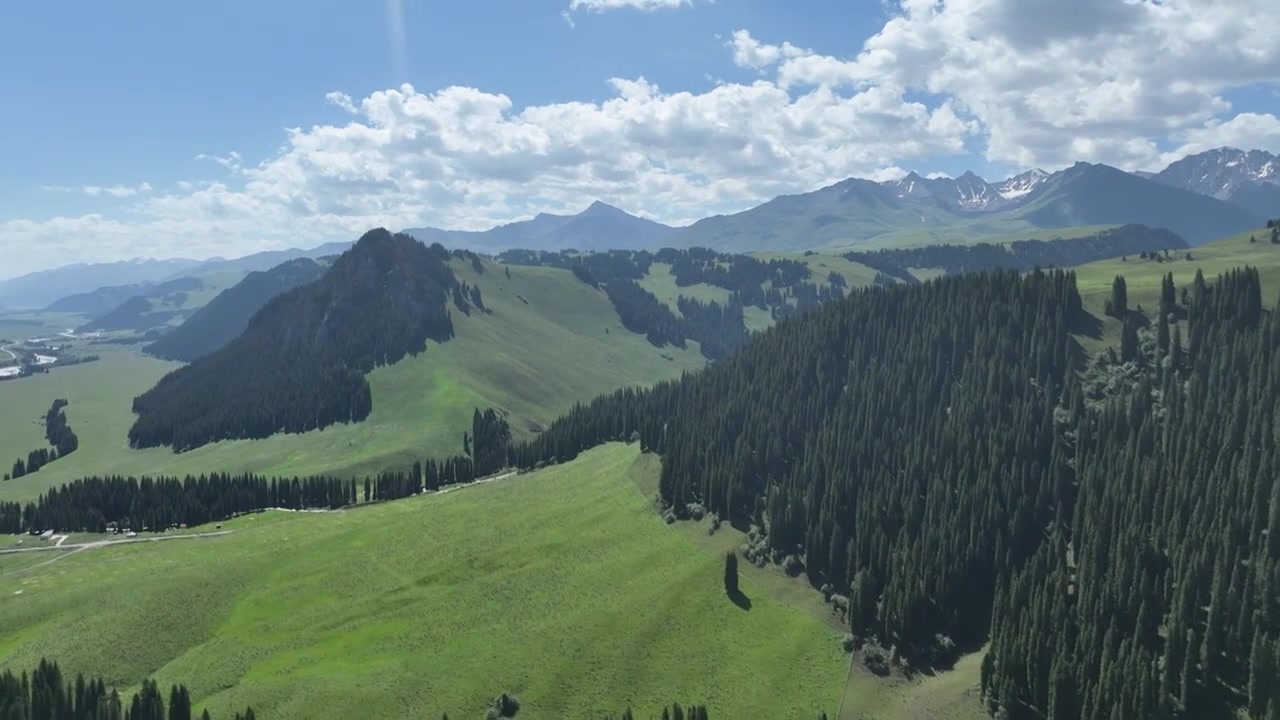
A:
578, 599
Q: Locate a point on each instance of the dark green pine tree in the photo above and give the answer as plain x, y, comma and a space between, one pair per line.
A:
1119, 297
179, 703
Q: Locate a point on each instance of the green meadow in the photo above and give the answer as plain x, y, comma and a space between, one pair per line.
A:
560, 586
549, 342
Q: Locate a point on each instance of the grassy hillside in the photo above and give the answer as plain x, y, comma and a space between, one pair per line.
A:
998, 230
953, 695
562, 587
1142, 277
534, 357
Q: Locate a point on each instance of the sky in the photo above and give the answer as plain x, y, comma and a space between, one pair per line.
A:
151, 128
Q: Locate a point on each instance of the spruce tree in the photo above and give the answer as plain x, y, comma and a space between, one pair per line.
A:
1119, 297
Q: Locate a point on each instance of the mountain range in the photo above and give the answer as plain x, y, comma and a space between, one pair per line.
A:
1200, 197
226, 316
599, 227
43, 288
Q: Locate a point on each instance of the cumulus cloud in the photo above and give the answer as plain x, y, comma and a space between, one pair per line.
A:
602, 5
1246, 131
1095, 80
1017, 79
464, 158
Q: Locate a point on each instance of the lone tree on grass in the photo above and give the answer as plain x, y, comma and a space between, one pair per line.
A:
731, 573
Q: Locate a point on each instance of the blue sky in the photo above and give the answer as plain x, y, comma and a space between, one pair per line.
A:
116, 113
130, 92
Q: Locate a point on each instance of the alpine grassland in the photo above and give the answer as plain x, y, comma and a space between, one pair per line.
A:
561, 586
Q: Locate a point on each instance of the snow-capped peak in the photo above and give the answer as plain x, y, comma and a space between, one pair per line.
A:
1222, 171
1022, 185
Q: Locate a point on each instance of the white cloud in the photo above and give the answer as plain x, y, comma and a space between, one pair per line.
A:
602, 5
1246, 131
1097, 80
117, 191
1025, 82
234, 162
464, 158
342, 100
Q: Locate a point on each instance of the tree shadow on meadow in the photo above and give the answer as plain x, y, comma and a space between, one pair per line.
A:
740, 599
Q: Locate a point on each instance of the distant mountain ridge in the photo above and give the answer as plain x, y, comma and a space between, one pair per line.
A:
1200, 197
227, 315
41, 289
97, 303
599, 227
1250, 179
969, 208
156, 305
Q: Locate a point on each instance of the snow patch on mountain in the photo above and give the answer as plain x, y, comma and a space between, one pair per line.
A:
1022, 185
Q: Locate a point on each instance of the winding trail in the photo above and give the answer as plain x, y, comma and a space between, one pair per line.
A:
6, 349
69, 550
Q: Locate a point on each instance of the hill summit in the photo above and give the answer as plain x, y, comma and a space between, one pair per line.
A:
301, 361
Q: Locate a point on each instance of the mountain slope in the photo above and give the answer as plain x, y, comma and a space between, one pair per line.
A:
99, 302
40, 289
155, 306
1087, 194
848, 211
269, 259
1250, 179
599, 227
300, 364
357, 596
547, 341
228, 314
925, 211
942, 451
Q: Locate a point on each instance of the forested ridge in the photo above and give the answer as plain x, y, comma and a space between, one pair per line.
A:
301, 362
942, 454
60, 436
779, 286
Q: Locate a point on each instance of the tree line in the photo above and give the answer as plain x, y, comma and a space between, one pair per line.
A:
156, 504
300, 363
1022, 255
946, 455
46, 694
59, 434
823, 430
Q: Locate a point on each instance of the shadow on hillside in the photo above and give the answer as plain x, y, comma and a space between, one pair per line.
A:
1139, 317
1087, 324
740, 599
